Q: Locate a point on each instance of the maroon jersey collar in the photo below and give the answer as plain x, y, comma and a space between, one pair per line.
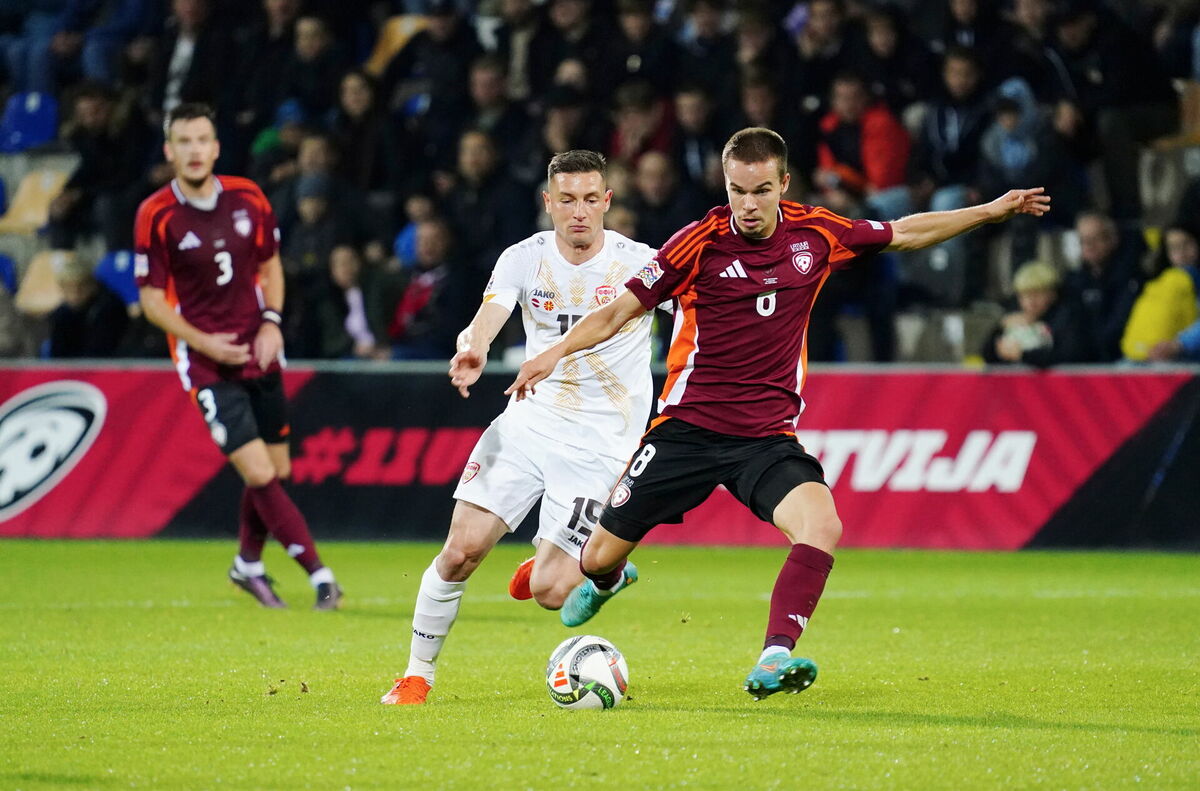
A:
178, 193
733, 223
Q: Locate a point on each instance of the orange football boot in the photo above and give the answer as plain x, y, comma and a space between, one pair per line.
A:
409, 691
518, 586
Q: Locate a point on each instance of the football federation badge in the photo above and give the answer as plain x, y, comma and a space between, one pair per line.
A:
470, 471
242, 223
620, 495
605, 294
803, 262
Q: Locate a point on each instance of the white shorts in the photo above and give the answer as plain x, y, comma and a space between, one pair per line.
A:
509, 469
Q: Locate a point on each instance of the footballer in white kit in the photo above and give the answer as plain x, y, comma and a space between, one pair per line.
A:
569, 440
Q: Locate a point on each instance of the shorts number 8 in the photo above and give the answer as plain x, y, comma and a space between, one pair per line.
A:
640, 462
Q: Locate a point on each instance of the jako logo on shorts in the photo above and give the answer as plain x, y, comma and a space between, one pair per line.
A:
44, 432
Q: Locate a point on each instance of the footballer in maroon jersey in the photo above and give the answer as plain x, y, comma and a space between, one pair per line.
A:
208, 272
744, 279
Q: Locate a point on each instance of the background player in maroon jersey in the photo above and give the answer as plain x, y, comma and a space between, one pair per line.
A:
208, 269
744, 279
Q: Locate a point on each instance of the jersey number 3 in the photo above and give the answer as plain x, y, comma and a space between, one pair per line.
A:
225, 265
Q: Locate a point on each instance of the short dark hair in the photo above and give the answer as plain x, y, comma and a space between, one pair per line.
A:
756, 144
577, 161
187, 112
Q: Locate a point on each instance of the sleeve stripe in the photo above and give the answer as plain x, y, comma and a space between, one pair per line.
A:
837, 250
683, 250
818, 213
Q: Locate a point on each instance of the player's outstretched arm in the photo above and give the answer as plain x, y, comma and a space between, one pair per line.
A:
918, 231
473, 345
596, 327
217, 346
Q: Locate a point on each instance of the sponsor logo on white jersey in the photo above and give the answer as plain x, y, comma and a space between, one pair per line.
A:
918, 460
44, 432
734, 270
190, 241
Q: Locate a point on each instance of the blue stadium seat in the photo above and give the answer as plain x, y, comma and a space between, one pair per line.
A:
29, 120
8, 274
115, 270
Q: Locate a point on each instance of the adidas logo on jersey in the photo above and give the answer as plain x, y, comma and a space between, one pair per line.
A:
734, 270
190, 241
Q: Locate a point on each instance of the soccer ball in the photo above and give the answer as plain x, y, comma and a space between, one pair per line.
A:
586, 672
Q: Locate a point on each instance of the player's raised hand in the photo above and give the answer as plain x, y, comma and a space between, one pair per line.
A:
533, 370
1033, 201
268, 343
220, 346
466, 366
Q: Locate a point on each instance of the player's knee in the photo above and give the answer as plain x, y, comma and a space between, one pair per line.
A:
825, 532
549, 597
458, 559
259, 475
283, 469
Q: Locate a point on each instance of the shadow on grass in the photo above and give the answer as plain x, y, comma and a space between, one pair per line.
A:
909, 719
405, 614
16, 779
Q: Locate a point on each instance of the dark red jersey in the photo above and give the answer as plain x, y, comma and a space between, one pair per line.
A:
738, 356
207, 263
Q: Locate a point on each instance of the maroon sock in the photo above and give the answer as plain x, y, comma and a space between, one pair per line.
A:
252, 533
797, 591
606, 580
281, 516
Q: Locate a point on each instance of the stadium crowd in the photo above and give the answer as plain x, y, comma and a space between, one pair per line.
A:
403, 145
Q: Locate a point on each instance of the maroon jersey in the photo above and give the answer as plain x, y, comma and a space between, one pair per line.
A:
738, 355
207, 263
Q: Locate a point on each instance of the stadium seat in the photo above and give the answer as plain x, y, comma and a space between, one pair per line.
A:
39, 292
8, 274
394, 34
29, 120
115, 270
30, 206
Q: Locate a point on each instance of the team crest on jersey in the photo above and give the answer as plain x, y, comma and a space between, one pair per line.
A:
605, 294
620, 495
470, 471
242, 223
650, 274
803, 262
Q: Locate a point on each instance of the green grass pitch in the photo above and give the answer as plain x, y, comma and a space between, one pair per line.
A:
134, 665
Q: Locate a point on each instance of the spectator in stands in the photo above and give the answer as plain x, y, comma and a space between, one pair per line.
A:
826, 44
520, 25
708, 52
1045, 330
946, 159
761, 103
698, 144
762, 47
424, 324
569, 122
662, 205
15, 338
309, 243
111, 157
505, 121
1031, 57
91, 320
1106, 284
313, 71
643, 50
487, 211
194, 62
898, 67
863, 153
1114, 98
92, 35
352, 318
643, 123
427, 80
976, 25
266, 49
1165, 313
418, 208
376, 157
27, 54
574, 33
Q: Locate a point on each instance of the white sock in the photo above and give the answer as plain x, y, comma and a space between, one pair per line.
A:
248, 569
320, 577
773, 650
435, 612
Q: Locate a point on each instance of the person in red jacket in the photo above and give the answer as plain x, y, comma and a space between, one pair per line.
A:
862, 154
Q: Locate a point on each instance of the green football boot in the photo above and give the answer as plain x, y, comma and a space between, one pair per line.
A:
586, 600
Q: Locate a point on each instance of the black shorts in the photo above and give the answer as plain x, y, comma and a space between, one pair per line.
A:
241, 411
678, 465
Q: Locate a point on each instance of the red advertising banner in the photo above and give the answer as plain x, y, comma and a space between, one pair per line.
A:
959, 460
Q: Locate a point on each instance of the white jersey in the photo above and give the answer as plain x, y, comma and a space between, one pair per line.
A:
597, 399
